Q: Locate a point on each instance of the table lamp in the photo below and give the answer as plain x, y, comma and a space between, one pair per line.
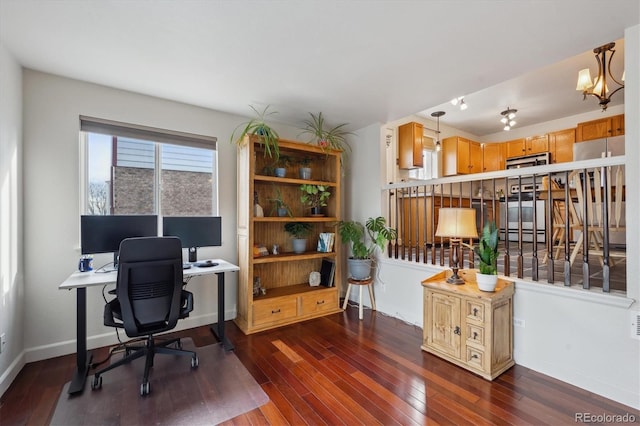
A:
456, 223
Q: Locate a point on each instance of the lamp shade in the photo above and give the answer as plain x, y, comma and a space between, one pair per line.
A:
457, 223
584, 80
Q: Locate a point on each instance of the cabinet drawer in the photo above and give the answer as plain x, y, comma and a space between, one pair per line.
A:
475, 335
274, 310
475, 358
475, 311
318, 302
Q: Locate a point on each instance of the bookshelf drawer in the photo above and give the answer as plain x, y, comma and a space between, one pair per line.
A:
319, 301
274, 310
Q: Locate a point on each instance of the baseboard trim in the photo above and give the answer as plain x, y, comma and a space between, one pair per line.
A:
12, 372
52, 350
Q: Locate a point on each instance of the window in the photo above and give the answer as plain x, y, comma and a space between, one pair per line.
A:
136, 170
429, 169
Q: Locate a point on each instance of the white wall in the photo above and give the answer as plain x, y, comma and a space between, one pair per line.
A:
583, 338
52, 105
11, 224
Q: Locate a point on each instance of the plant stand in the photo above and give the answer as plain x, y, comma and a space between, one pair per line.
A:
360, 283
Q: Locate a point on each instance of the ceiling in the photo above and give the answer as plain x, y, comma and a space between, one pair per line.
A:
356, 61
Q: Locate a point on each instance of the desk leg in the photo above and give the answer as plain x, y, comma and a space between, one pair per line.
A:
218, 330
83, 358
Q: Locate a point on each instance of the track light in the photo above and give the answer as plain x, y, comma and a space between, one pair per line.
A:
508, 117
459, 101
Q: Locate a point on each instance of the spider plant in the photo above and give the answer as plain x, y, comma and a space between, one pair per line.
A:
266, 135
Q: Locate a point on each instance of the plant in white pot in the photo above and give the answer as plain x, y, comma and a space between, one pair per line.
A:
299, 231
363, 248
487, 253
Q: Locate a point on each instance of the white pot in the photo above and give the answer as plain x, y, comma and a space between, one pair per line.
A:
486, 282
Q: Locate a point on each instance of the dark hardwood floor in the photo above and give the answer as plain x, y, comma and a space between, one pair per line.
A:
339, 370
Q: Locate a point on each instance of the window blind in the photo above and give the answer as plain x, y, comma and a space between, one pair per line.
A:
137, 131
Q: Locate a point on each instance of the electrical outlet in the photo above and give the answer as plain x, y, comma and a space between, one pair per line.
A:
518, 322
3, 341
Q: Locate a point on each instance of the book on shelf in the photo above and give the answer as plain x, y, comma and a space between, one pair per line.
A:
325, 242
327, 272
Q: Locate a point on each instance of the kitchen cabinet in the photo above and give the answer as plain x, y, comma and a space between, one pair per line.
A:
561, 145
410, 145
527, 146
601, 128
461, 156
287, 296
492, 157
469, 327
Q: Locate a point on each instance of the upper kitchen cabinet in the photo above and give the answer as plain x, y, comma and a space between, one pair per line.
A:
492, 157
601, 128
561, 145
527, 146
410, 145
461, 156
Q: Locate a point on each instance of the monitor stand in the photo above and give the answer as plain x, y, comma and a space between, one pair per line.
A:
193, 254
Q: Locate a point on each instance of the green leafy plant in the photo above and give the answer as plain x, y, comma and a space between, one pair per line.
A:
258, 126
278, 203
298, 229
326, 138
487, 250
314, 195
353, 232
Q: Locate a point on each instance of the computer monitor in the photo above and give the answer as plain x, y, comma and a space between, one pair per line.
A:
194, 232
103, 233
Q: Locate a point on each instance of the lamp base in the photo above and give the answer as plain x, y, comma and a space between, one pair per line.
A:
455, 279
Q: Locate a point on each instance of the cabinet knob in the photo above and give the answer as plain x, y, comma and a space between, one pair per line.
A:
457, 330
475, 335
475, 312
474, 356
276, 311
320, 302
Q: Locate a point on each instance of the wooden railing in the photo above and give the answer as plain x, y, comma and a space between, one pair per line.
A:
544, 234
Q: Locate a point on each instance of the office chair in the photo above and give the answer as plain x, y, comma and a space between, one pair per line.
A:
149, 300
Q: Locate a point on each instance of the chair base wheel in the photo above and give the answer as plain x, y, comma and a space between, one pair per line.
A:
145, 388
96, 383
194, 361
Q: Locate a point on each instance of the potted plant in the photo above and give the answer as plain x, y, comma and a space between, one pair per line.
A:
279, 206
325, 137
487, 252
280, 166
258, 126
364, 239
314, 196
299, 231
304, 172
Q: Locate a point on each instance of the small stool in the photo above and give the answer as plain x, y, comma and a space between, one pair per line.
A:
368, 282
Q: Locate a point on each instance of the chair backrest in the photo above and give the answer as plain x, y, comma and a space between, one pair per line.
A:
593, 180
149, 284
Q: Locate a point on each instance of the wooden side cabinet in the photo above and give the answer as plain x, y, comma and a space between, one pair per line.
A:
561, 145
410, 145
468, 327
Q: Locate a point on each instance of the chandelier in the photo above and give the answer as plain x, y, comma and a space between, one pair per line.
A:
508, 118
599, 87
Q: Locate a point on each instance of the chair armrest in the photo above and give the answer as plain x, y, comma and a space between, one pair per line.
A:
186, 303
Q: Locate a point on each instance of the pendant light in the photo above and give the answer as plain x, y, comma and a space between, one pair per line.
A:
437, 115
599, 87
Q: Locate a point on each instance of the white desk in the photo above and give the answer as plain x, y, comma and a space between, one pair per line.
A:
81, 280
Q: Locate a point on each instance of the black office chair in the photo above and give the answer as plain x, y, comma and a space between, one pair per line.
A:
149, 300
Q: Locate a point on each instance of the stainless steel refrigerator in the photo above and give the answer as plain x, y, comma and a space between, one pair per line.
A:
596, 149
